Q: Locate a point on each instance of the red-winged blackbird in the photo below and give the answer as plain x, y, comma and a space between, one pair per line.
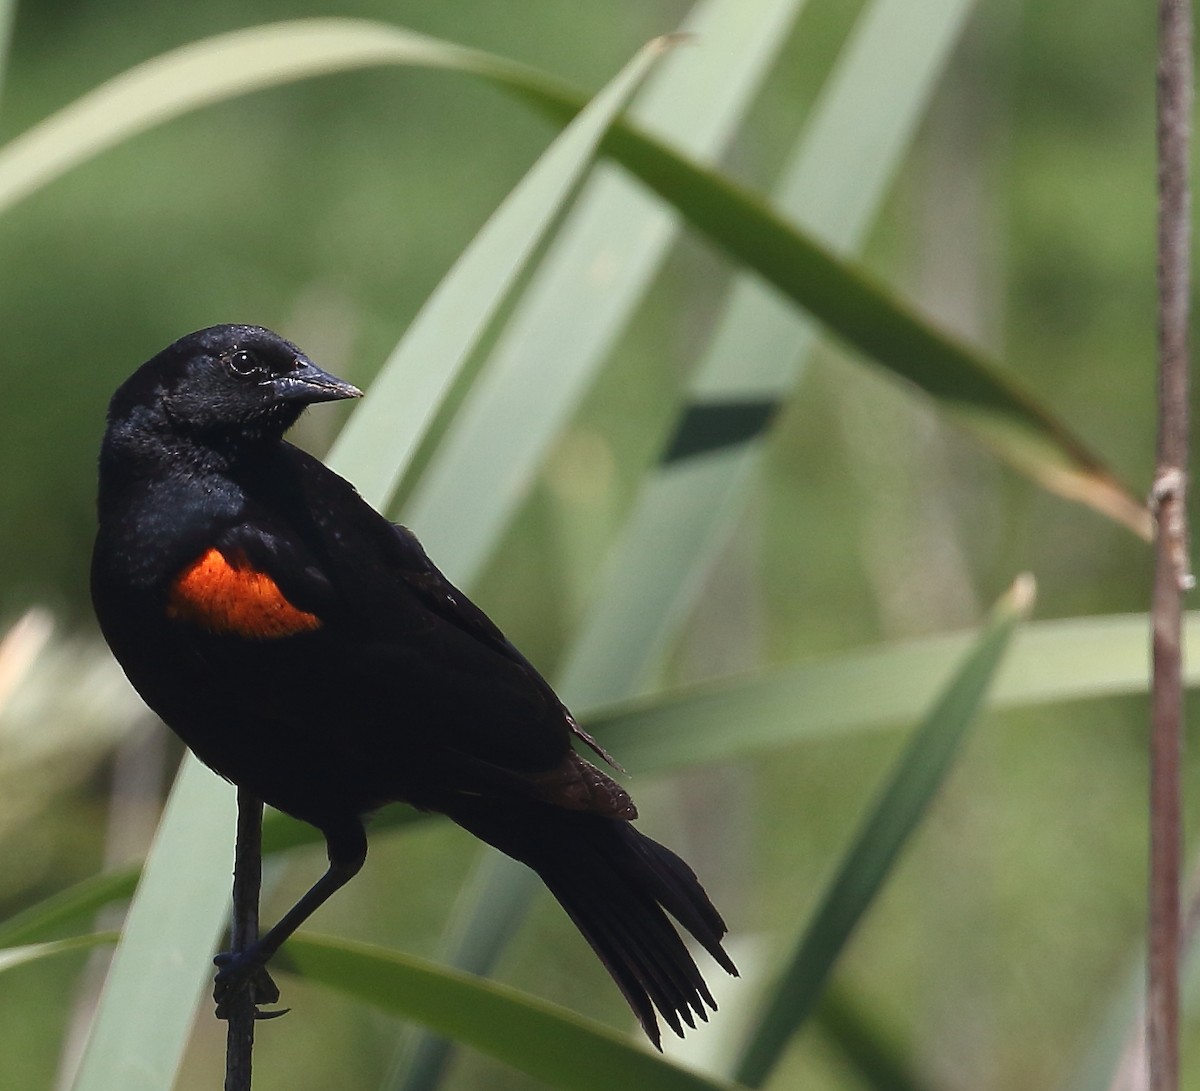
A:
306, 648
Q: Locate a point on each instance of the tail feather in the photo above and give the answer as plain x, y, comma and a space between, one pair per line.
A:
617, 886
645, 983
636, 942
675, 887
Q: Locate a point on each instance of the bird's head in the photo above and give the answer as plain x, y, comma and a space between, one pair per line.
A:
236, 383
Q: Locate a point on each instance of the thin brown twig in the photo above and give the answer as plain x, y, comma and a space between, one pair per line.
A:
1172, 574
243, 931
1131, 1072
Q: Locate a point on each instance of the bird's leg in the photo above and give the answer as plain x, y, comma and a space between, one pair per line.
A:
240, 970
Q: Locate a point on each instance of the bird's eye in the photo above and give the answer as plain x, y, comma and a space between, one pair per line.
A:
243, 362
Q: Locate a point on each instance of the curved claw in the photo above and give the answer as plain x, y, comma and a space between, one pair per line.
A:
271, 1014
241, 973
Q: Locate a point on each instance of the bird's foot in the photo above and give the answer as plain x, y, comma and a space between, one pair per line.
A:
240, 973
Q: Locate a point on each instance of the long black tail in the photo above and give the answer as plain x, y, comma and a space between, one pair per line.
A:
615, 883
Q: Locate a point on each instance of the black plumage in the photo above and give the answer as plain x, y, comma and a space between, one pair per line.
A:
305, 647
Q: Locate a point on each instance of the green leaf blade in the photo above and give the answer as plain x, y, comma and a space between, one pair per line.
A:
1050, 661
984, 399
546, 1042
876, 847
586, 289
405, 395
68, 907
833, 186
161, 963
12, 957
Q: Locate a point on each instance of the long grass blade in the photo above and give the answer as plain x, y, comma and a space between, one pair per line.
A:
1049, 661
832, 187
12, 957
885, 831
77, 904
586, 289
219, 68
375, 447
852, 1030
161, 962
67, 908
973, 391
491, 908
553, 1045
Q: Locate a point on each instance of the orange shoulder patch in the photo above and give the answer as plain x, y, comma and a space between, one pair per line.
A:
229, 596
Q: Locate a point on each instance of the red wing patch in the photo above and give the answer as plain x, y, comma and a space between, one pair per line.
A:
229, 596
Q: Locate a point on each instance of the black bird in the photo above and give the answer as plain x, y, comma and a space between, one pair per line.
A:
306, 648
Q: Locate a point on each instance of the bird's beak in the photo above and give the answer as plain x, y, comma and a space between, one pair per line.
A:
307, 383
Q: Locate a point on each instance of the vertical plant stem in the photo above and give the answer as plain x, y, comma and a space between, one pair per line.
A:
243, 931
1171, 573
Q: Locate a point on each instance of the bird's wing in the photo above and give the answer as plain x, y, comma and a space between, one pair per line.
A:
413, 654
442, 597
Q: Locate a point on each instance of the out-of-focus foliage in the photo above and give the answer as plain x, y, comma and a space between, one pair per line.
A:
329, 209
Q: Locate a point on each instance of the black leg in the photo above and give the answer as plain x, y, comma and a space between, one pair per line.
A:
347, 847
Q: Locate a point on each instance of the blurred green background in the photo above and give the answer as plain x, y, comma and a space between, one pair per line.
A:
329, 209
